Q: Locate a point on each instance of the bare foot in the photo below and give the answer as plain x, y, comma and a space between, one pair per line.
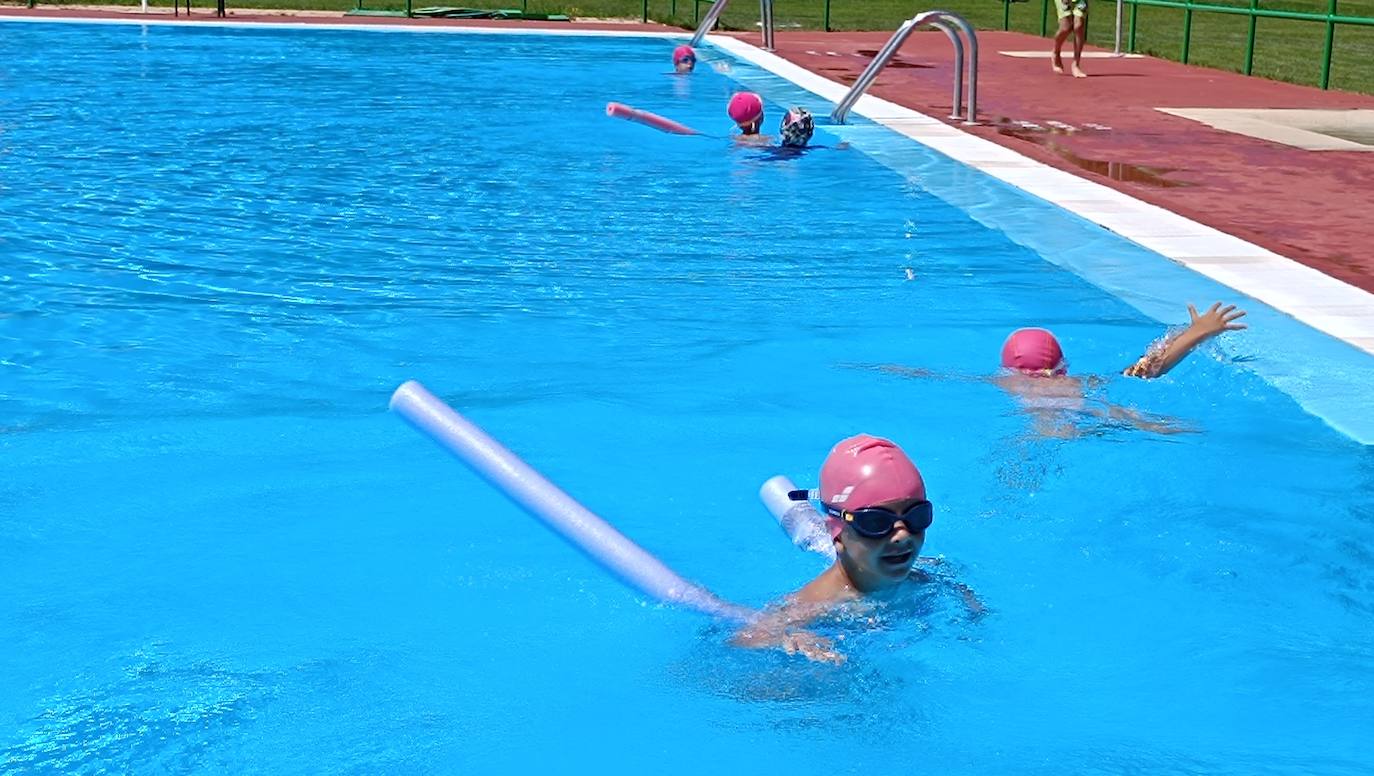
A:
1057, 65
1077, 71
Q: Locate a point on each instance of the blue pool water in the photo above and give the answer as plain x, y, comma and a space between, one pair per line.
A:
220, 249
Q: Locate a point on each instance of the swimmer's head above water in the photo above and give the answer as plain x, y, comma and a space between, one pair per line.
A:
876, 509
797, 127
746, 110
684, 59
1035, 353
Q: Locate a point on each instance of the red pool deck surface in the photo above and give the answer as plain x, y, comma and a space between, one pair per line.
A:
1316, 207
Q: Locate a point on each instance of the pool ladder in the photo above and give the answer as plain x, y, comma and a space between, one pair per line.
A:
949, 23
718, 7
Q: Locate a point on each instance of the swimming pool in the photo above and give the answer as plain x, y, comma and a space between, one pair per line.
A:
222, 248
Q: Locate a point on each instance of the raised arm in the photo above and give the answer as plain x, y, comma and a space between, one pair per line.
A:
1203, 327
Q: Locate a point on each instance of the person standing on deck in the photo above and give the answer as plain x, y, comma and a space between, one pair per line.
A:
1073, 17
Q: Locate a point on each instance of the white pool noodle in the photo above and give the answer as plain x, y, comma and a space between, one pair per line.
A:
556, 509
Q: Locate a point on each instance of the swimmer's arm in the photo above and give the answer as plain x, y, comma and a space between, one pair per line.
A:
923, 374
781, 628
1155, 424
969, 598
1203, 327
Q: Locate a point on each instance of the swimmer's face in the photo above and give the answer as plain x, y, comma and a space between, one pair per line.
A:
1058, 371
1041, 385
752, 128
685, 65
875, 564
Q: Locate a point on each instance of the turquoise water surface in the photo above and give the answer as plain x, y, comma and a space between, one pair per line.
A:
222, 248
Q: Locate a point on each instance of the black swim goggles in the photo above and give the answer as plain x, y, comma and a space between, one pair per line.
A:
874, 522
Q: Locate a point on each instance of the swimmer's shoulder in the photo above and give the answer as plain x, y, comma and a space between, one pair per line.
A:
826, 590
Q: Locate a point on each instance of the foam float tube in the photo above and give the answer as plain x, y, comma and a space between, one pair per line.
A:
542, 499
802, 523
621, 111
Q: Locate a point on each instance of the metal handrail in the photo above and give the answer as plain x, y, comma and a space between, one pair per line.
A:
708, 22
944, 21
957, 101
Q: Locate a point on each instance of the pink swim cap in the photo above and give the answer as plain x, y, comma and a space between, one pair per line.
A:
1033, 350
684, 52
864, 470
745, 108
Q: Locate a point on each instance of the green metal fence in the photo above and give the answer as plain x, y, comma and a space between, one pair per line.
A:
1331, 19
1039, 17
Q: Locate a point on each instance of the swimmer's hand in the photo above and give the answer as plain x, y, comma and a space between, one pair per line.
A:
907, 371
1216, 320
773, 631
924, 374
1139, 420
976, 608
816, 648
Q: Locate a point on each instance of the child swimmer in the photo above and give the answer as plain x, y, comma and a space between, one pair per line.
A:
746, 110
1035, 371
684, 59
877, 513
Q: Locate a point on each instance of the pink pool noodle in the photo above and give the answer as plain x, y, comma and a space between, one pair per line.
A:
556, 509
648, 119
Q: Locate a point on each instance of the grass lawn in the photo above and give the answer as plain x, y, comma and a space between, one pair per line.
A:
1285, 50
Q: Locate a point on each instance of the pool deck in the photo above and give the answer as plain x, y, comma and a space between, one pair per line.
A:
1310, 206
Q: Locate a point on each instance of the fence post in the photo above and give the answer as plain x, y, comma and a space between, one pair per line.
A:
1130, 43
644, 13
826, 26
1044, 18
1187, 30
1250, 39
1330, 39
1006, 15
